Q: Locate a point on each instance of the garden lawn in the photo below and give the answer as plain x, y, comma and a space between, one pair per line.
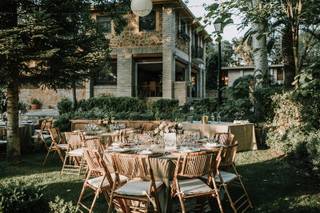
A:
272, 183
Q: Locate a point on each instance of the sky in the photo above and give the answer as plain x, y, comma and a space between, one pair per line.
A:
230, 31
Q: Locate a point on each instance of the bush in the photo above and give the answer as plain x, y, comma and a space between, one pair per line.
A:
113, 104
202, 106
165, 108
63, 122
313, 149
263, 97
141, 116
61, 206
65, 106
22, 107
21, 197
239, 109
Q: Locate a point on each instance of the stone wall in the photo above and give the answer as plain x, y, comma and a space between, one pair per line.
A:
132, 37
183, 45
49, 97
109, 90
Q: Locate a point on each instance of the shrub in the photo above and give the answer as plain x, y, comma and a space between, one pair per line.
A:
63, 122
61, 206
21, 197
65, 106
202, 106
165, 108
313, 149
263, 97
115, 104
22, 107
141, 116
236, 109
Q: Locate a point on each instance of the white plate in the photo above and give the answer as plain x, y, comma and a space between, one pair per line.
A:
210, 145
145, 152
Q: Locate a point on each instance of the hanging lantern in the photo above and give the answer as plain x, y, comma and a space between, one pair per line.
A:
141, 7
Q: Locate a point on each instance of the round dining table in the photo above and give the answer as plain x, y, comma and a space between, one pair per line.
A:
162, 162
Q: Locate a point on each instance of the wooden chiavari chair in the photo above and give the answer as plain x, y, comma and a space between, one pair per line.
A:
94, 143
189, 181
57, 144
73, 161
224, 138
99, 180
140, 192
42, 134
227, 179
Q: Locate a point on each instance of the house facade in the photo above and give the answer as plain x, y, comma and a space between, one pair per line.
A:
230, 74
161, 55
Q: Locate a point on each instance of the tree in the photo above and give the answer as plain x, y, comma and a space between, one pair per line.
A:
50, 43
212, 61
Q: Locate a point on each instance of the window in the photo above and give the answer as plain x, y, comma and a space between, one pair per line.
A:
279, 75
183, 26
107, 76
104, 24
148, 23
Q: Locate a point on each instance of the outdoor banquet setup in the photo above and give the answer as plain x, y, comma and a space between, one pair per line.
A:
153, 166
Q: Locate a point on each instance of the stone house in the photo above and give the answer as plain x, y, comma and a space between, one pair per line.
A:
161, 55
230, 74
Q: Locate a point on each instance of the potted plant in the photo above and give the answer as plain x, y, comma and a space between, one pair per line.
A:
35, 104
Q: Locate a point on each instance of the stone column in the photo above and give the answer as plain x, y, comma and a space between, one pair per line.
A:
124, 73
169, 40
89, 87
200, 83
204, 83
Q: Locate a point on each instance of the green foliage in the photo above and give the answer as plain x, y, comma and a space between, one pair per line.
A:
313, 149
61, 206
36, 101
238, 105
21, 197
292, 131
22, 107
112, 104
308, 94
202, 106
165, 108
65, 106
63, 122
263, 97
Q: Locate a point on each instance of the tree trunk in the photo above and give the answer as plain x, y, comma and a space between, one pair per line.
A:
74, 95
260, 55
13, 145
288, 57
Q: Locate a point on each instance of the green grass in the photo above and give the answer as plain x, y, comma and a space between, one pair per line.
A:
272, 183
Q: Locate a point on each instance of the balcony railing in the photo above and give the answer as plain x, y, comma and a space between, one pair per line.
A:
197, 52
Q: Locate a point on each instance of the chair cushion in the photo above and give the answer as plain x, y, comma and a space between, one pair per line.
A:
97, 181
226, 177
136, 188
46, 136
192, 186
76, 152
62, 146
